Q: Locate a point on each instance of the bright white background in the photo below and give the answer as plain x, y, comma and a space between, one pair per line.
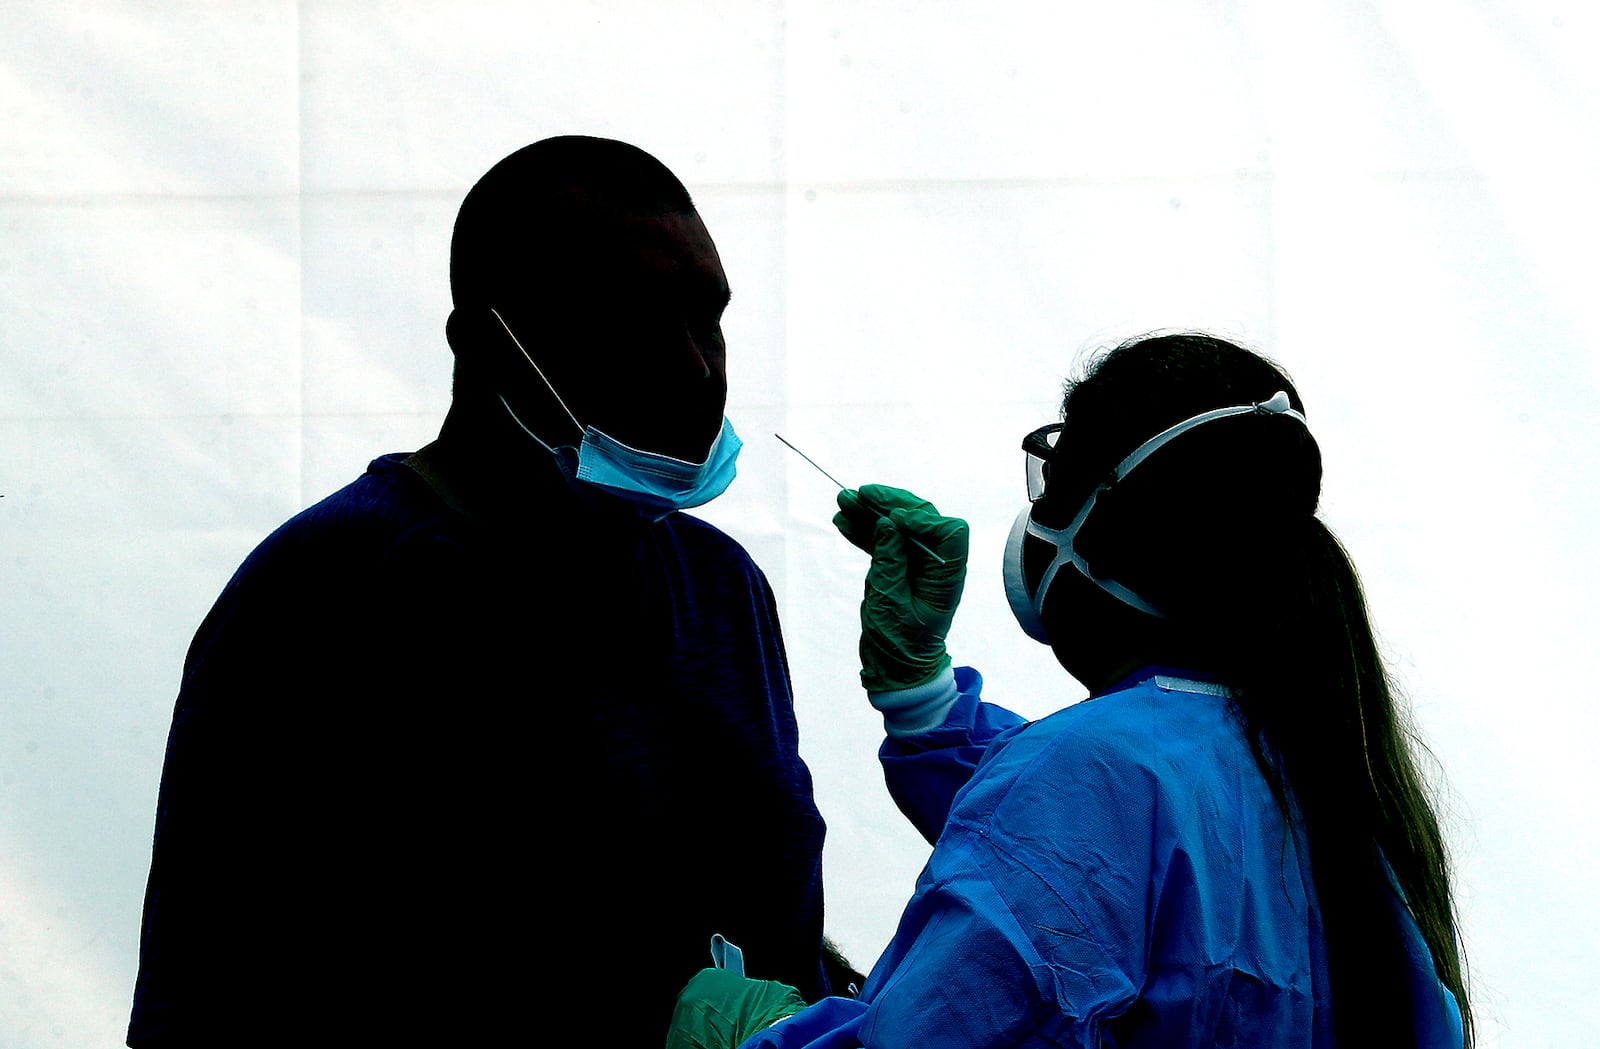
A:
223, 290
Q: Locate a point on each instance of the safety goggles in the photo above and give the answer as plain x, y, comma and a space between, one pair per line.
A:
1040, 446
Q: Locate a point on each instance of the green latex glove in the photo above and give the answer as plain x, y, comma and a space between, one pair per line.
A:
910, 598
718, 1010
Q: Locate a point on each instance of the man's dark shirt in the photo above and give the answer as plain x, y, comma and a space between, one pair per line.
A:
431, 781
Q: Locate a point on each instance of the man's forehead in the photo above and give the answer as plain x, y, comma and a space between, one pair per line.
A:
673, 245
580, 209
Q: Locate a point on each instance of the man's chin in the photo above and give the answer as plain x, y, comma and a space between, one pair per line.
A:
669, 439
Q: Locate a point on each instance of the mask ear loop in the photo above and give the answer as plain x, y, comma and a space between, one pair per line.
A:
1066, 554
542, 378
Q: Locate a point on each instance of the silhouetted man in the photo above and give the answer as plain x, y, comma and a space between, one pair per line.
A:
488, 743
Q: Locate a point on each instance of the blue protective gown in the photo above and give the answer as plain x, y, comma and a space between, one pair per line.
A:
1115, 874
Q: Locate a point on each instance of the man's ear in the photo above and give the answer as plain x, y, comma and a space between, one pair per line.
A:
482, 346
479, 368
465, 330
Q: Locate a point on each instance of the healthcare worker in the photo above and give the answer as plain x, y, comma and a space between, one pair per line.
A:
1228, 843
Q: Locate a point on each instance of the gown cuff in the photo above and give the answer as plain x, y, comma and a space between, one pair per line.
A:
907, 711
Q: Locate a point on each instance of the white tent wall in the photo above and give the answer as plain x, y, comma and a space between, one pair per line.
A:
223, 289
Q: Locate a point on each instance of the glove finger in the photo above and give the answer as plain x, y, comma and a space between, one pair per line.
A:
945, 536
937, 581
894, 636
889, 499
855, 521
888, 575
860, 537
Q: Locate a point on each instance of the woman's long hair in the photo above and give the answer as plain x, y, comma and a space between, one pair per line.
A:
1219, 530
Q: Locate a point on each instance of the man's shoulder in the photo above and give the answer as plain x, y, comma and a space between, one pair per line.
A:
321, 568
387, 499
716, 562
360, 523
697, 535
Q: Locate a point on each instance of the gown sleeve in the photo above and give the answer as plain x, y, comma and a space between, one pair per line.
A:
925, 771
1027, 924
959, 975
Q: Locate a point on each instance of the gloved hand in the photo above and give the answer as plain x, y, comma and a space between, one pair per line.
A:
719, 1009
911, 598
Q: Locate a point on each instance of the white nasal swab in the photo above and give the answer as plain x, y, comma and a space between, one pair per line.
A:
864, 502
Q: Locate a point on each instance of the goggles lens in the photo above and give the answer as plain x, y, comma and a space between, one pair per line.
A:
1040, 448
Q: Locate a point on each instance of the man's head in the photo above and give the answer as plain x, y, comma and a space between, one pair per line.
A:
591, 252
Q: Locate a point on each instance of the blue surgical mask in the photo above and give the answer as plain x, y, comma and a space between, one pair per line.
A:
654, 483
